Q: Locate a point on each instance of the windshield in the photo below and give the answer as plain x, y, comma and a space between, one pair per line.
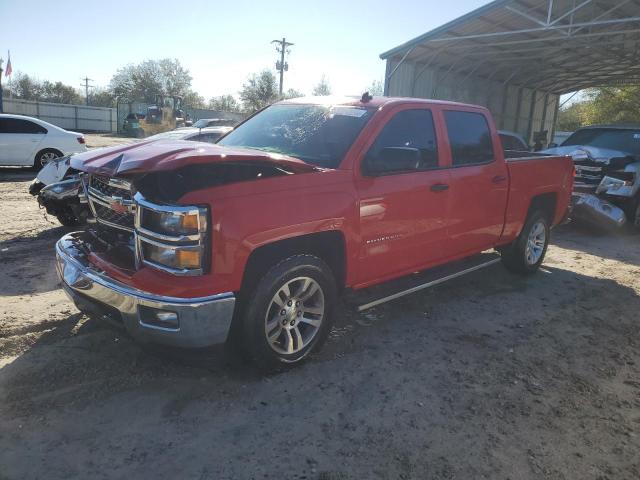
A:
624, 140
316, 134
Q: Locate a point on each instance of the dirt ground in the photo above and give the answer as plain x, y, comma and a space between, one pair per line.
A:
490, 376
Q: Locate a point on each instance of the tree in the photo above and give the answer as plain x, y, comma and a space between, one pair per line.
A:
102, 97
322, 88
571, 118
260, 90
193, 100
150, 78
292, 93
27, 88
224, 103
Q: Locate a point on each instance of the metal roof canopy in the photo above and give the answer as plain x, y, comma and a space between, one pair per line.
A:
555, 46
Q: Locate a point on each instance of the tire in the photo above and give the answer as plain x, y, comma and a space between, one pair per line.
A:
279, 329
45, 156
521, 256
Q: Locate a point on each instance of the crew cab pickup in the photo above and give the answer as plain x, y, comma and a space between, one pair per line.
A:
254, 238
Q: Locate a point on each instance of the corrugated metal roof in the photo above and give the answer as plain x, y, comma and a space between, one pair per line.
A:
551, 45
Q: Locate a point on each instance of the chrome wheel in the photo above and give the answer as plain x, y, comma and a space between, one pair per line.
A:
295, 315
536, 242
47, 157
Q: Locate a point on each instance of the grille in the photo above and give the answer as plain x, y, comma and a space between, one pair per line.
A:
103, 186
102, 194
588, 174
109, 215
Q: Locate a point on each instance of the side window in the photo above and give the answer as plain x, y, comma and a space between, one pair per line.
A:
470, 138
406, 143
16, 125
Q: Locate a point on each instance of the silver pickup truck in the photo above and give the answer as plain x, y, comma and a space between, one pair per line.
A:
607, 182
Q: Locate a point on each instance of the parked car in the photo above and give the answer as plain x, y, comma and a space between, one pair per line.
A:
512, 141
308, 199
31, 142
205, 134
607, 162
214, 122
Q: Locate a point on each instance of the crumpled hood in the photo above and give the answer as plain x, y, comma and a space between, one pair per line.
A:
163, 155
598, 154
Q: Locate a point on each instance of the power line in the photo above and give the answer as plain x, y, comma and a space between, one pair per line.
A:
86, 88
282, 47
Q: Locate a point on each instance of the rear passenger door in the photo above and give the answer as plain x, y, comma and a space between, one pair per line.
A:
479, 183
402, 219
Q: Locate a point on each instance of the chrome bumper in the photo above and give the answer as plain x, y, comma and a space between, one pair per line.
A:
593, 209
181, 322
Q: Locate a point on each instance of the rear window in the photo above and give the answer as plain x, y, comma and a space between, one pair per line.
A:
469, 137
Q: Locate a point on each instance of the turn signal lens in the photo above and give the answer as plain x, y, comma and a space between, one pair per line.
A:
188, 259
190, 222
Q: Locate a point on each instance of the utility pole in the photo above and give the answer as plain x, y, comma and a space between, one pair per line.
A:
86, 88
282, 47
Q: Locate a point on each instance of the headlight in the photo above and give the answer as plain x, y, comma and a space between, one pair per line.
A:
171, 238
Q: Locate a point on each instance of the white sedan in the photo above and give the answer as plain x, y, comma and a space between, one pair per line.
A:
30, 142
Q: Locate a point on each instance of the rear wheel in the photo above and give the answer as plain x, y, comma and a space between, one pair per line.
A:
289, 311
526, 253
45, 156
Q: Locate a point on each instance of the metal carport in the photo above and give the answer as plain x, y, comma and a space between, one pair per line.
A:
518, 56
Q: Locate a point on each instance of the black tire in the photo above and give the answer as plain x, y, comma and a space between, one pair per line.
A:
515, 257
39, 160
257, 305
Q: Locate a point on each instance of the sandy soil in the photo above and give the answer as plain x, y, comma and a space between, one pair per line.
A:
490, 376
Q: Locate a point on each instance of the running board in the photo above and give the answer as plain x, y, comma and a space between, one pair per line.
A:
388, 291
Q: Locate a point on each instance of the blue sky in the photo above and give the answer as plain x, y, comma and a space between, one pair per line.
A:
220, 42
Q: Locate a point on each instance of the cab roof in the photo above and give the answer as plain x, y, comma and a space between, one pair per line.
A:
375, 102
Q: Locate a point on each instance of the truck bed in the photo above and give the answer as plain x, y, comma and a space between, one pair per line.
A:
532, 175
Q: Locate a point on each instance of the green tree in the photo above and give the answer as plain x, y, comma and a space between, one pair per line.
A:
102, 97
613, 105
150, 78
224, 103
292, 93
572, 117
193, 100
323, 88
260, 90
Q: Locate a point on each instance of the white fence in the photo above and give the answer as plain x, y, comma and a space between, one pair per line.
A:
70, 117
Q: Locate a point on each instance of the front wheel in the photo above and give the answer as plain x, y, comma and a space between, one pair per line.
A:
526, 253
44, 157
289, 311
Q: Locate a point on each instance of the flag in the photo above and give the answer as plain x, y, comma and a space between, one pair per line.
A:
8, 70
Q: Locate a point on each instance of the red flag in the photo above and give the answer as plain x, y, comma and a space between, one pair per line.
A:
8, 70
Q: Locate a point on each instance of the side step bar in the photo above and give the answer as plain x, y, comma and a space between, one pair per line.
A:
379, 294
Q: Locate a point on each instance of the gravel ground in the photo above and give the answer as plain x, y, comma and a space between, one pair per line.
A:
489, 376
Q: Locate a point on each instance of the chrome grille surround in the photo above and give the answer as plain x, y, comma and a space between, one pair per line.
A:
110, 201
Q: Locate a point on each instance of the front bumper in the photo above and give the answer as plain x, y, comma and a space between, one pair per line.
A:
595, 210
180, 322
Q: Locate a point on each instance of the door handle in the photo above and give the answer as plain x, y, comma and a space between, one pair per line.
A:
498, 179
439, 187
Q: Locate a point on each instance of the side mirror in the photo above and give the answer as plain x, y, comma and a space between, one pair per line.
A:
394, 159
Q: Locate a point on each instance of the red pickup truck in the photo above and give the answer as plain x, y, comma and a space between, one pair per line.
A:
255, 237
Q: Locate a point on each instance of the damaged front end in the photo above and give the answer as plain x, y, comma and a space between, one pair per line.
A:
607, 190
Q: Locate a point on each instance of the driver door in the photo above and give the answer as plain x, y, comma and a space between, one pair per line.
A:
403, 198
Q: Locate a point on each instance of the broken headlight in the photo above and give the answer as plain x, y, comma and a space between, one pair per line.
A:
615, 181
172, 238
